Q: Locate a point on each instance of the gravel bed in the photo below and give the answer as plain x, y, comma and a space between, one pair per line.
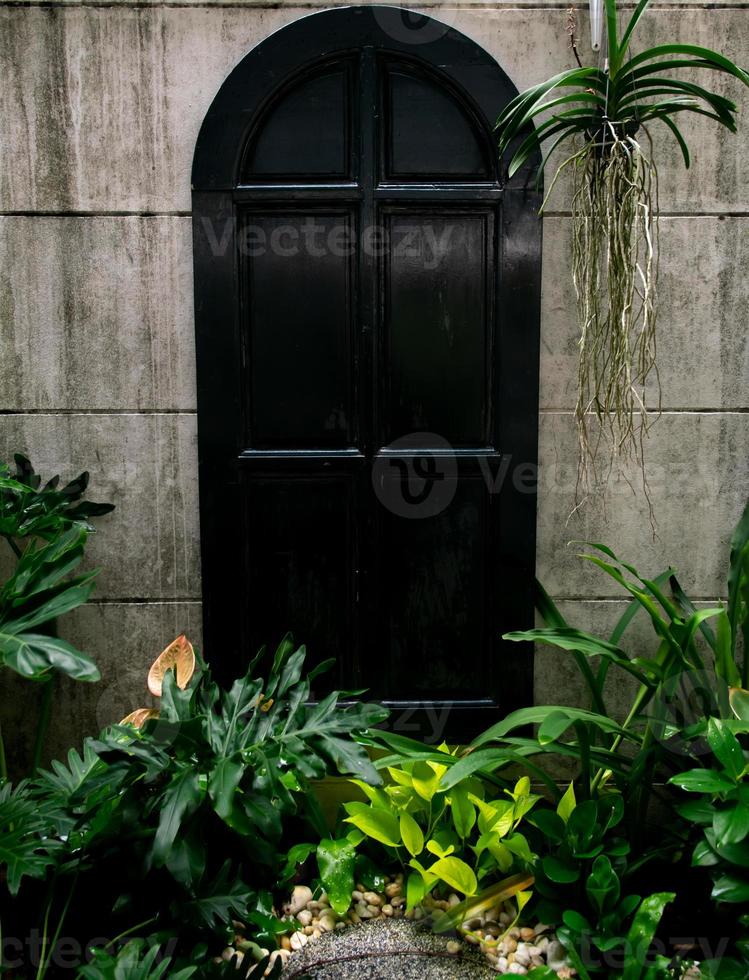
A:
387, 949
378, 924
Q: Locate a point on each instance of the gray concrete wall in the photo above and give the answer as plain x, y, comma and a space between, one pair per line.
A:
100, 107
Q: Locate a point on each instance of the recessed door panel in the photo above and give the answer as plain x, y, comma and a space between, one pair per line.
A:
429, 133
433, 572
299, 328
305, 133
438, 282
300, 563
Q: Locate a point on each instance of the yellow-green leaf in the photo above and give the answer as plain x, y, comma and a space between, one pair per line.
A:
567, 803
400, 777
411, 834
462, 811
377, 824
373, 793
739, 701
425, 780
455, 873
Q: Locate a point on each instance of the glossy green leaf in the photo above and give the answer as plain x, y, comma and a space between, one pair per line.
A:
567, 638
725, 747
549, 823
416, 889
425, 780
561, 872
703, 781
602, 886
731, 888
336, 861
739, 701
731, 824
34, 655
642, 932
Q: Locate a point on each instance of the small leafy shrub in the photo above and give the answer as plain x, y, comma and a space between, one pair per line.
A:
136, 961
28, 509
46, 528
181, 825
718, 814
457, 841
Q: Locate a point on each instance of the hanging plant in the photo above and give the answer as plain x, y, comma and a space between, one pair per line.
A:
606, 121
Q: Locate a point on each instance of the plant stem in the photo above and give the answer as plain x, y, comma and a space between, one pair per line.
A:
45, 712
49, 948
3, 760
14, 547
130, 931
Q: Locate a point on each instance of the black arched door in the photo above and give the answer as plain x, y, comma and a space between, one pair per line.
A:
367, 313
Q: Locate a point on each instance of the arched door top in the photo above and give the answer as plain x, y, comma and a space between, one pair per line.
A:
220, 154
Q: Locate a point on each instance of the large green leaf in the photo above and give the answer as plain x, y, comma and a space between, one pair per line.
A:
732, 889
642, 932
25, 846
223, 783
568, 638
703, 781
221, 899
181, 797
336, 861
693, 51
33, 655
725, 747
731, 824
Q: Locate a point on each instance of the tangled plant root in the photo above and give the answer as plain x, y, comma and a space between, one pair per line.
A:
615, 267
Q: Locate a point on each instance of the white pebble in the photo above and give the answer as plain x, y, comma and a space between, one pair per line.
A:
517, 969
298, 939
304, 917
522, 956
300, 897
453, 947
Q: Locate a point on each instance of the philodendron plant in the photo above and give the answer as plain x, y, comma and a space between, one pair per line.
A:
605, 115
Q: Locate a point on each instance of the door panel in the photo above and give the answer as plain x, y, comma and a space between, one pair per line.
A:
306, 133
300, 328
429, 133
301, 556
432, 600
439, 277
